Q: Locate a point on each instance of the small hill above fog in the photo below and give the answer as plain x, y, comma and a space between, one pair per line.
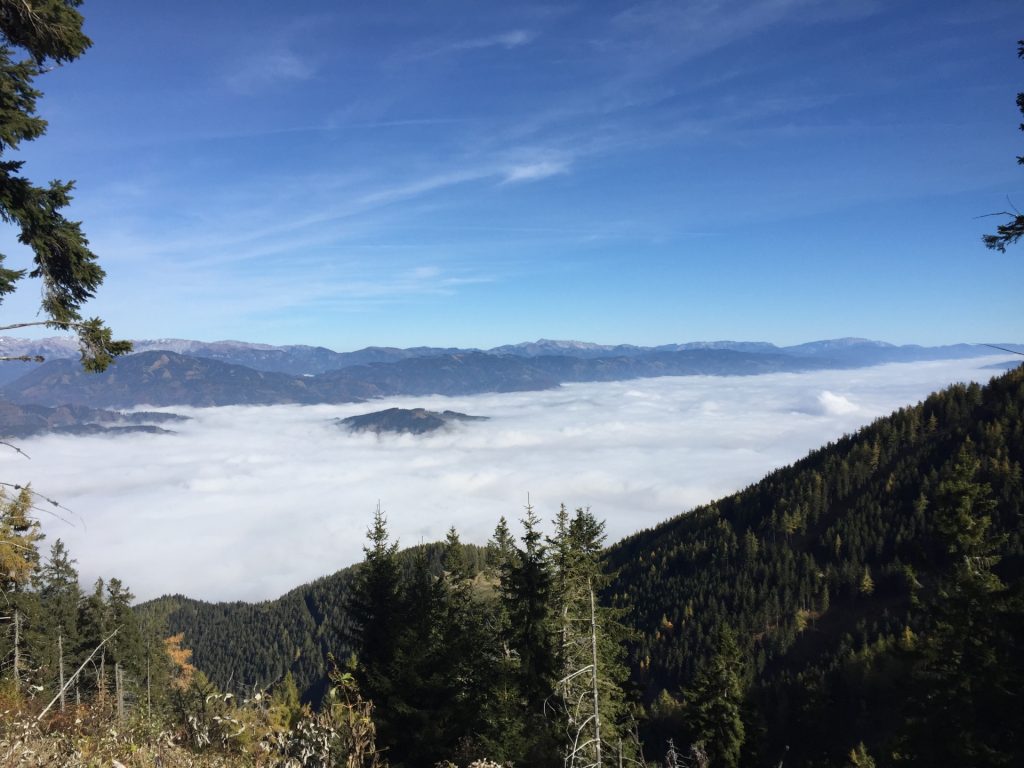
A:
416, 421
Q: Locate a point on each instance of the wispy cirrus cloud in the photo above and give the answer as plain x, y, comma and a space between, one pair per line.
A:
513, 38
265, 70
507, 40
535, 171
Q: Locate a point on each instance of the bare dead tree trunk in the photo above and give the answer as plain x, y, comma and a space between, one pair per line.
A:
581, 692
119, 690
60, 668
593, 648
17, 649
74, 677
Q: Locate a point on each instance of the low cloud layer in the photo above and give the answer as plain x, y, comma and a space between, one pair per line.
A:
248, 502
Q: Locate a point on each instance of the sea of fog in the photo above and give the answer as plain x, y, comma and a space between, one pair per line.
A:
246, 502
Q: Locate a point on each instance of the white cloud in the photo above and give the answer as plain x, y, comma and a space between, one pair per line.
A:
535, 171
513, 38
269, 69
836, 405
246, 503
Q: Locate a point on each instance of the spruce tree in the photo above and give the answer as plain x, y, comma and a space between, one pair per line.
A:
469, 651
93, 626
969, 670
526, 592
128, 648
34, 37
374, 609
415, 713
504, 734
59, 594
715, 701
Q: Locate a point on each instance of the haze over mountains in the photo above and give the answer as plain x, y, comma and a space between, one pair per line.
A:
169, 372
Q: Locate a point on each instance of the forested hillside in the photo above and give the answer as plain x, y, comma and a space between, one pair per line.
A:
241, 646
836, 576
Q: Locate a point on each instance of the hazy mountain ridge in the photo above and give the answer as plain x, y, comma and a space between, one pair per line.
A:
29, 420
168, 378
301, 359
165, 378
296, 359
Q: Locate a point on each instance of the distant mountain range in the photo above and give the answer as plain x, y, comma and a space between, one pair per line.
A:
167, 372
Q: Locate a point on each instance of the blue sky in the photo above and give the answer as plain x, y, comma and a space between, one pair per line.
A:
476, 173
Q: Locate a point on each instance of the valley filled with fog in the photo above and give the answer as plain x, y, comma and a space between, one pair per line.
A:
246, 502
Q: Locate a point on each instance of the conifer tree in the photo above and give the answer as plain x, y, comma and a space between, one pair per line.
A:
715, 701
469, 649
35, 36
59, 594
285, 709
591, 642
504, 737
19, 562
526, 593
19, 537
128, 648
374, 608
59, 590
969, 670
93, 625
416, 710
530, 666
500, 549
1013, 230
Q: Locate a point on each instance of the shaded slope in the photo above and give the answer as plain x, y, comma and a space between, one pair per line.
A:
244, 645
28, 420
